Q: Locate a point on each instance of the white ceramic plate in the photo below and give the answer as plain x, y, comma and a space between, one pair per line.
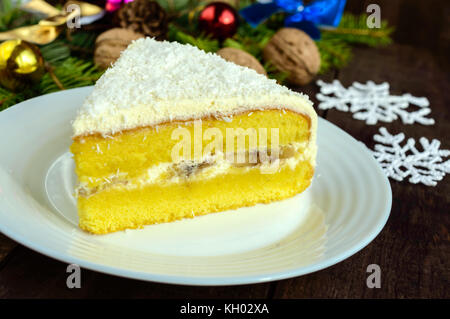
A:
344, 209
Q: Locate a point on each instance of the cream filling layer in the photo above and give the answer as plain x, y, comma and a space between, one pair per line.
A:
208, 167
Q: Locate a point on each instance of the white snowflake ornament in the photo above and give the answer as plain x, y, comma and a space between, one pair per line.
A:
399, 162
372, 102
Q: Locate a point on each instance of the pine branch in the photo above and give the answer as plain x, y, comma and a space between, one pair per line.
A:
9, 98
244, 3
64, 74
334, 45
251, 40
81, 41
62, 48
175, 7
334, 53
354, 30
12, 17
274, 73
202, 42
55, 52
70, 73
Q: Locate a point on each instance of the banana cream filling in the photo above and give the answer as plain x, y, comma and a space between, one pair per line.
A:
206, 168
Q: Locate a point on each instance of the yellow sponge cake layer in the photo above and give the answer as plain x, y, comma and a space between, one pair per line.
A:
132, 152
119, 207
172, 132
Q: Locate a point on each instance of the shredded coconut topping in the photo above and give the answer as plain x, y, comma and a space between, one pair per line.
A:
154, 82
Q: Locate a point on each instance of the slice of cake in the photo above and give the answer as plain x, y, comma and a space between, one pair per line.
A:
171, 132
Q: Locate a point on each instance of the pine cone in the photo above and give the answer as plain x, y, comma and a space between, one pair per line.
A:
144, 16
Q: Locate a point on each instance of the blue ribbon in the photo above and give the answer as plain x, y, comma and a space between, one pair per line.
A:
306, 17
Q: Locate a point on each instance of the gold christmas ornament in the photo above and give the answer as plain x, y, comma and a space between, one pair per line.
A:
111, 43
242, 58
21, 64
293, 51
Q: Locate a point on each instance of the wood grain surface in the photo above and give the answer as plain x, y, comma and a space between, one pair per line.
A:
413, 249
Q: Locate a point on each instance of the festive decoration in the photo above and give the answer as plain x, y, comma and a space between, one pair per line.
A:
399, 162
219, 20
49, 28
293, 51
241, 58
21, 64
144, 16
372, 103
89, 12
114, 5
69, 54
306, 17
111, 43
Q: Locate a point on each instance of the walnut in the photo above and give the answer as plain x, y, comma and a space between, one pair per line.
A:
109, 44
293, 51
242, 58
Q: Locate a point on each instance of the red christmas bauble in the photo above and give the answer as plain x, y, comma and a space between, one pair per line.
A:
114, 5
218, 19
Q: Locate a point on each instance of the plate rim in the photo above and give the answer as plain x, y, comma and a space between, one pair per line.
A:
211, 280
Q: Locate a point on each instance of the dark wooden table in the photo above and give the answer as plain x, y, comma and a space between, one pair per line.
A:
413, 249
